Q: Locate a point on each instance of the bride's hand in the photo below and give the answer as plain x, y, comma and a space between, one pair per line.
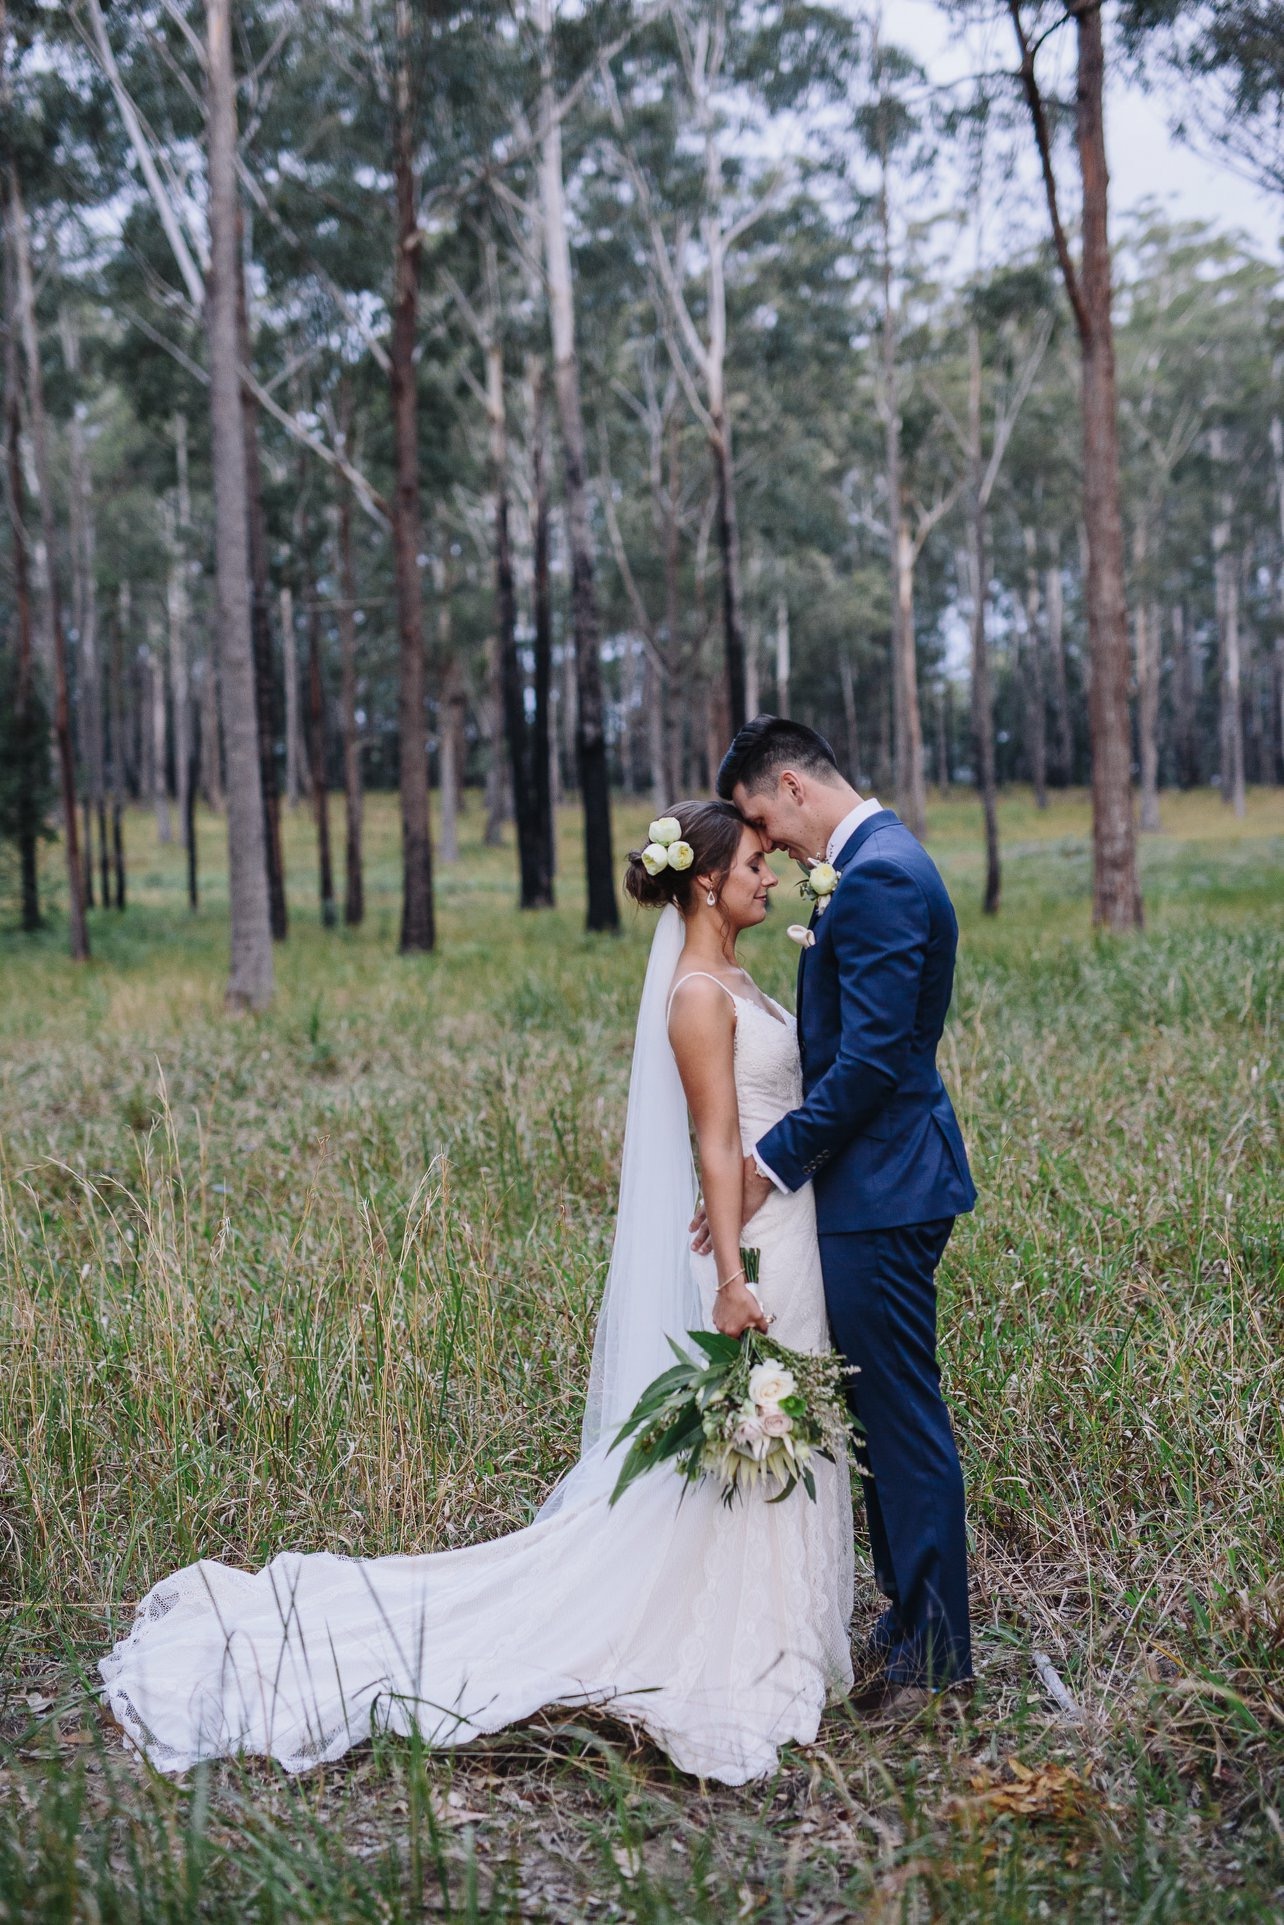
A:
737, 1310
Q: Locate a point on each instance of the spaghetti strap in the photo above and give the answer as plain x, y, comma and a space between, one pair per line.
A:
690, 978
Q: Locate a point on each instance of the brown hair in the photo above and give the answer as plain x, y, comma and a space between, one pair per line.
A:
713, 829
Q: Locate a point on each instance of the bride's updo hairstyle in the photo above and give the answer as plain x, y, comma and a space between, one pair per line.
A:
713, 830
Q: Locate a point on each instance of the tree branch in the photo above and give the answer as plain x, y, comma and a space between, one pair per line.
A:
1043, 141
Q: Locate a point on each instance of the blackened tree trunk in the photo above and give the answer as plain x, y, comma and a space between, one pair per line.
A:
354, 899
28, 726
317, 756
265, 705
26, 305
250, 977
418, 928
118, 755
590, 731
532, 877
542, 748
1116, 891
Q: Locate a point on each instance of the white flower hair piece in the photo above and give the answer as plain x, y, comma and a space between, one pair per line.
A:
666, 849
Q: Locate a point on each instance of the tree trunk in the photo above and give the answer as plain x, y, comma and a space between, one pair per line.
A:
982, 692
729, 548
160, 737
1035, 701
118, 752
907, 728
784, 664
671, 681
1116, 892
1231, 719
26, 307
851, 733
211, 737
910, 781
250, 978
1185, 742
180, 534
28, 727
452, 704
290, 666
1116, 898
1055, 597
1146, 634
317, 757
418, 924
590, 731
84, 609
944, 712
543, 748
497, 808
265, 703
354, 898
533, 879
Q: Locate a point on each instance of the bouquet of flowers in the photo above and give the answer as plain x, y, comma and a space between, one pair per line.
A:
746, 1410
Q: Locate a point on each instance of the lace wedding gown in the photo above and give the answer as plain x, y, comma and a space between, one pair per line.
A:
721, 1632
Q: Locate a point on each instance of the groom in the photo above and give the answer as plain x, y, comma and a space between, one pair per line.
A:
877, 1136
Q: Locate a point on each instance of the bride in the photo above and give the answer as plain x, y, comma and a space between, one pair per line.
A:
720, 1632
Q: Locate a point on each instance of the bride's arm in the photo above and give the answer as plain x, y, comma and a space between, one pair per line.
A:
702, 1031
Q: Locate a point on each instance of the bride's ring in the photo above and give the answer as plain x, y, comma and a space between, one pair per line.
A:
771, 1317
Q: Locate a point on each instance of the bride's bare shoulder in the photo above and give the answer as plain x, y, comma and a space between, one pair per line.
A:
705, 1006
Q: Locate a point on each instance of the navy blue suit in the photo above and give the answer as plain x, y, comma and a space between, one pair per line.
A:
877, 1136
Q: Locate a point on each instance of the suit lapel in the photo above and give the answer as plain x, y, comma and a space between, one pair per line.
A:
882, 820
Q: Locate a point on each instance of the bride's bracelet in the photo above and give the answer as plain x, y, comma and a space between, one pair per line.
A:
728, 1281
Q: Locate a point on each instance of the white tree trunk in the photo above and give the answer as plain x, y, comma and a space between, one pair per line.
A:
249, 982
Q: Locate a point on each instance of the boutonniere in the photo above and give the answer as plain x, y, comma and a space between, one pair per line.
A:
799, 932
820, 879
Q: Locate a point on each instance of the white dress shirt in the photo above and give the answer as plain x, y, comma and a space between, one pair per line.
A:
833, 849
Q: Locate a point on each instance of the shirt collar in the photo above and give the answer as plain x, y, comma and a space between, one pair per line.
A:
848, 826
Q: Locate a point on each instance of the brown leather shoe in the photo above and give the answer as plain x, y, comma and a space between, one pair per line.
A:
891, 1703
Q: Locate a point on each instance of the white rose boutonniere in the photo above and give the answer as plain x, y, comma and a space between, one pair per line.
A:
820, 879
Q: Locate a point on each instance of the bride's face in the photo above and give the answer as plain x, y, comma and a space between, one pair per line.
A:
743, 900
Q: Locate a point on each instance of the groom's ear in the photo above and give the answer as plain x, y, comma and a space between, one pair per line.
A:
791, 784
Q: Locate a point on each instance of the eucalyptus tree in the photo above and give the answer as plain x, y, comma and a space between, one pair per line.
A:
22, 153
590, 728
1116, 889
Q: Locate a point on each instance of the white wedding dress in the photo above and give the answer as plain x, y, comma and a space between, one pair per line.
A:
722, 1632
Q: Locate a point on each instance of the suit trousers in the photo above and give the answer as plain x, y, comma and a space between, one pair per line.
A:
880, 1290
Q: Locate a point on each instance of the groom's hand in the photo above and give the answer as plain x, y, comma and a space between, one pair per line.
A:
756, 1191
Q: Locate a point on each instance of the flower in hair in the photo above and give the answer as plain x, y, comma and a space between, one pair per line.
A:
666, 849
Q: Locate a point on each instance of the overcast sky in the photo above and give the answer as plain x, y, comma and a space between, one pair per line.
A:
1145, 161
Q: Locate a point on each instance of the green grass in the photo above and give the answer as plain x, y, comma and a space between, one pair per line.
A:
327, 1278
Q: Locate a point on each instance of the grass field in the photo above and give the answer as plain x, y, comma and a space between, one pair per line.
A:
327, 1279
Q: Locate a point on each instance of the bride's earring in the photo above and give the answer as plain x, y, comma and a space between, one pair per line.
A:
712, 900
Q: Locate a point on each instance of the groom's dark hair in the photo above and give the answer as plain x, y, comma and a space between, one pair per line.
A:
768, 744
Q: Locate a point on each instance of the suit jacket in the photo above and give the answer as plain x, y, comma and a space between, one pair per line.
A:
876, 1131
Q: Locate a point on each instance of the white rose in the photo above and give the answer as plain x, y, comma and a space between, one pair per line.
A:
777, 1423
771, 1383
823, 879
681, 855
654, 858
664, 830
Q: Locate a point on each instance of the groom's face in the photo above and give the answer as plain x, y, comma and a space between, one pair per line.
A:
780, 814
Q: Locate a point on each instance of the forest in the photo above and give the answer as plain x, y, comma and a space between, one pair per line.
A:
580, 386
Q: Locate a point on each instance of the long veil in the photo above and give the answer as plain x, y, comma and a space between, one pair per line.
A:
652, 1291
